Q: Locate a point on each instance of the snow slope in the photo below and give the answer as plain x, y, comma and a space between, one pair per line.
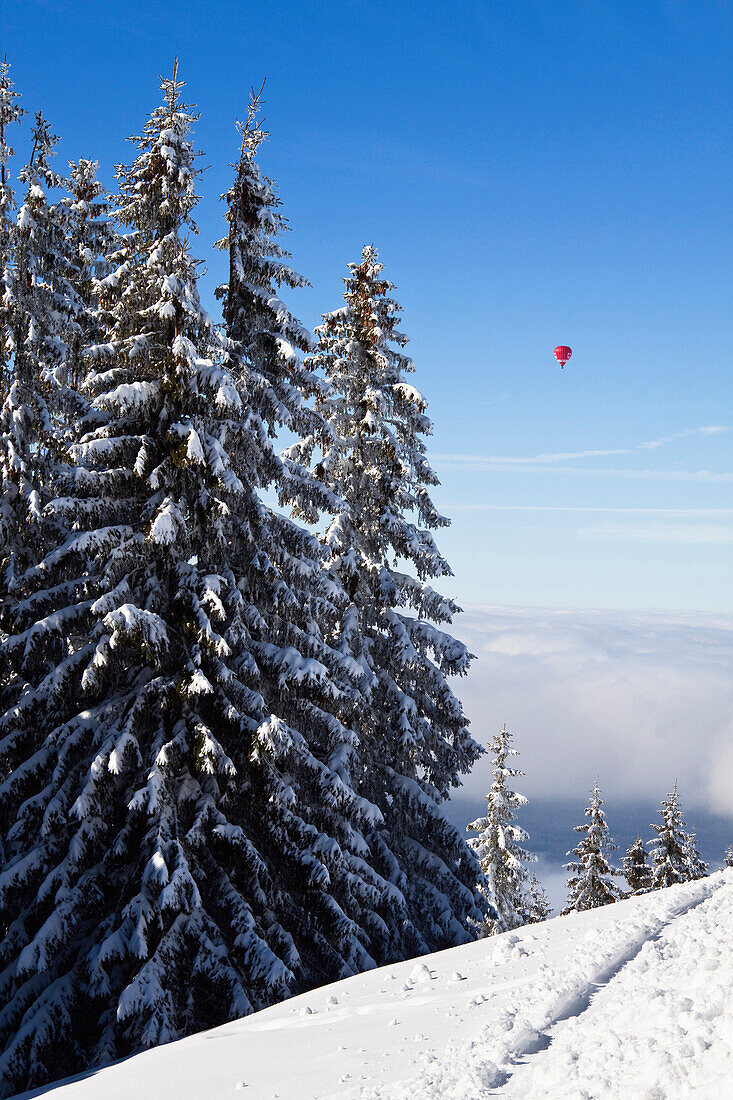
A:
631, 1000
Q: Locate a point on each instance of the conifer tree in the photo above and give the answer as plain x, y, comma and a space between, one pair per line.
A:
92, 243
729, 856
539, 903
46, 304
636, 867
696, 865
669, 847
591, 881
413, 736
266, 338
182, 840
299, 605
498, 846
42, 308
265, 341
10, 112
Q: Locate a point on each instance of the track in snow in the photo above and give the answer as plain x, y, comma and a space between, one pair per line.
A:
514, 1055
659, 1028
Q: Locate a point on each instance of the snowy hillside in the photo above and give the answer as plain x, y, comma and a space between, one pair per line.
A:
631, 1000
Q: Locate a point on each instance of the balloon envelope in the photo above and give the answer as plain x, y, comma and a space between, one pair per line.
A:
562, 354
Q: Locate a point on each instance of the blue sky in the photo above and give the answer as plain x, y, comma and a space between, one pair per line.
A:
533, 173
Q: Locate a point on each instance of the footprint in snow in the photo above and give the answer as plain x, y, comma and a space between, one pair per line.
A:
421, 973
456, 977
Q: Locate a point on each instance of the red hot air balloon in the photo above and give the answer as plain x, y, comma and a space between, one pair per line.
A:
562, 354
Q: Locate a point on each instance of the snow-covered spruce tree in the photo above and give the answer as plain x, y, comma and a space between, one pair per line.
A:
637, 871
729, 856
181, 840
10, 112
266, 337
299, 606
539, 903
264, 341
669, 847
591, 881
413, 736
14, 468
35, 615
42, 307
46, 304
92, 244
696, 865
498, 846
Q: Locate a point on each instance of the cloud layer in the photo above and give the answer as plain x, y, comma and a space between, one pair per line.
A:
639, 698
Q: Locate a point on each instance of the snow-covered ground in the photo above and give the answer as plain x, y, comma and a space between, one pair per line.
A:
629, 1001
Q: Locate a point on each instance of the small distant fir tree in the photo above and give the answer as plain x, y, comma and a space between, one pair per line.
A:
696, 865
636, 867
498, 846
539, 903
729, 856
591, 883
670, 849
370, 458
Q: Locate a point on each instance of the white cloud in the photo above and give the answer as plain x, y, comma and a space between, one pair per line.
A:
681, 513
468, 462
710, 429
640, 698
681, 534
542, 462
504, 460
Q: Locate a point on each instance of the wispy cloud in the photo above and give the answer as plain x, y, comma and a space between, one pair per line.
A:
682, 513
686, 531
681, 534
544, 463
467, 463
505, 460
710, 429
